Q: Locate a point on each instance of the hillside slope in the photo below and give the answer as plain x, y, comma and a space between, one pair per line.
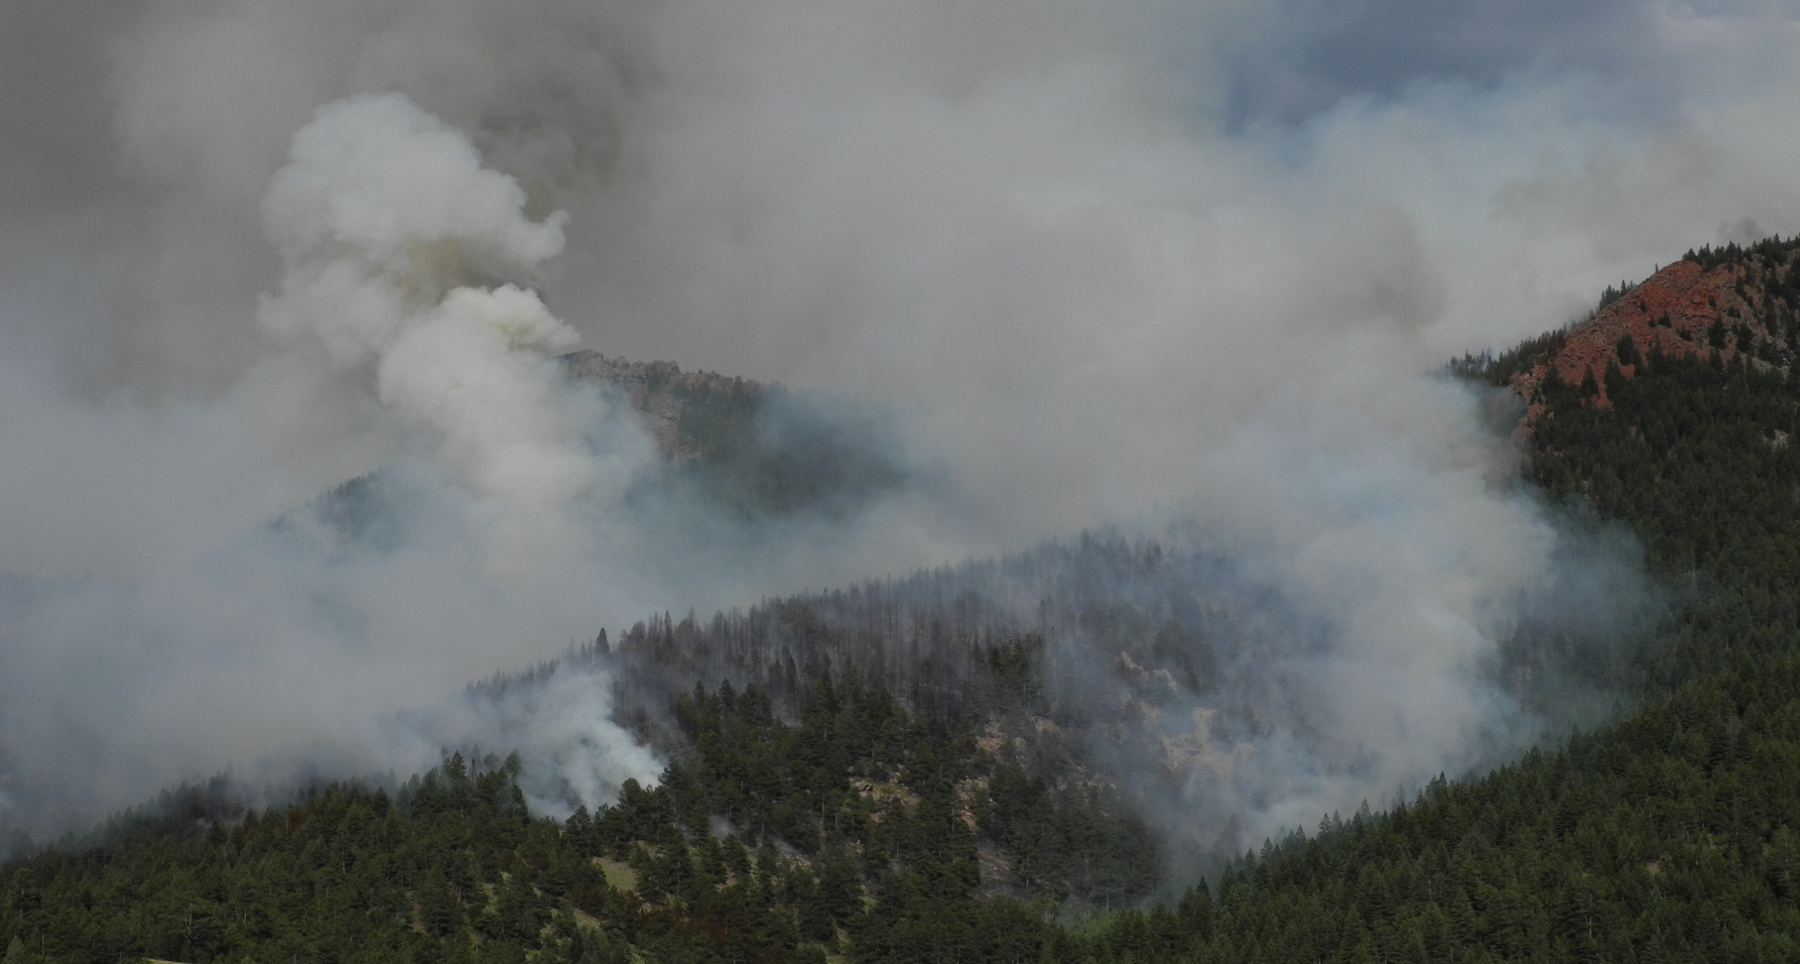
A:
1686, 438
885, 779
747, 451
755, 450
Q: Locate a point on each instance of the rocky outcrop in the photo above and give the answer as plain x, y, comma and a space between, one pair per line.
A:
1736, 306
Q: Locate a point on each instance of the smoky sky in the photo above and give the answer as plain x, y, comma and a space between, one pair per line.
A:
1317, 54
1098, 261
78, 168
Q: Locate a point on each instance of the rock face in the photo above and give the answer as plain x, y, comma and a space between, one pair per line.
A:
662, 395
1734, 305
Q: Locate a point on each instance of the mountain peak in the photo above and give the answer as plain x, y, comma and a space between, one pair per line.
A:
1732, 305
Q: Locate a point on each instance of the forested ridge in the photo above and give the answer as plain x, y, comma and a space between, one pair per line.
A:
861, 831
866, 809
749, 451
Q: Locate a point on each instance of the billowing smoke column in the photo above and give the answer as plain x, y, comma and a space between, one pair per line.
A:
394, 237
400, 254
385, 220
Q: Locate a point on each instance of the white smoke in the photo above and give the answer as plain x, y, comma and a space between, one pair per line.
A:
383, 216
572, 751
1088, 293
401, 259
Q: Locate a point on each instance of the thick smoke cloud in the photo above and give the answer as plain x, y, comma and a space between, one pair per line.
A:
382, 215
1098, 259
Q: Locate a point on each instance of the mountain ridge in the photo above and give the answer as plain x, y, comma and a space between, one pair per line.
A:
1732, 305
661, 395
1669, 835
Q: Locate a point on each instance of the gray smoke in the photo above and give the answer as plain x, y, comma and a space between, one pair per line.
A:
253, 249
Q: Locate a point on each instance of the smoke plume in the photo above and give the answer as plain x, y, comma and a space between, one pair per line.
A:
1103, 263
385, 219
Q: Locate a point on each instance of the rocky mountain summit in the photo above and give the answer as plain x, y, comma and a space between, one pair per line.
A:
1731, 306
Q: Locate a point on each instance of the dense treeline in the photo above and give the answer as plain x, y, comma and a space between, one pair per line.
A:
962, 640
346, 874
1036, 653
1694, 452
1668, 838
857, 776
859, 830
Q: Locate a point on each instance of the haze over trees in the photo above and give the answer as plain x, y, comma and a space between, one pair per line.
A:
876, 773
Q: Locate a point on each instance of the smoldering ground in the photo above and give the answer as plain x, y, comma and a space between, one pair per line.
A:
1089, 279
